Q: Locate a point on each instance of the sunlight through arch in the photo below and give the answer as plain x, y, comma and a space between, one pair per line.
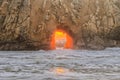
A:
61, 39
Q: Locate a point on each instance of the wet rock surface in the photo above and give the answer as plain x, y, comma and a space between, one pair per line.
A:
34, 21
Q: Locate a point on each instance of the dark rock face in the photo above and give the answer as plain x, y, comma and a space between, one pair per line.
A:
29, 24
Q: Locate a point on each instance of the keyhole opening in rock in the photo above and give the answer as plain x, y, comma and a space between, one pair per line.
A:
61, 40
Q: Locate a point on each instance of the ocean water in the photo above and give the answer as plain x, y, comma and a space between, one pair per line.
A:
61, 64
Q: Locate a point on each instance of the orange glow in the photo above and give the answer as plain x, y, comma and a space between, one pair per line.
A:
59, 35
63, 37
59, 70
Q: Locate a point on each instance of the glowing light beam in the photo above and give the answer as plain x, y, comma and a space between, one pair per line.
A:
60, 36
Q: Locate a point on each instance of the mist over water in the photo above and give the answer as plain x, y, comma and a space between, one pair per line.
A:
60, 64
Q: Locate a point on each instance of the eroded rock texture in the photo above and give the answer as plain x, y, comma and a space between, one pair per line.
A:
14, 23
29, 24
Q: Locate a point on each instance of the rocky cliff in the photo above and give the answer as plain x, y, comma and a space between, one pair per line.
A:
29, 24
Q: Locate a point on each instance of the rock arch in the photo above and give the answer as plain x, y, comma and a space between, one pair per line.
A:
29, 24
